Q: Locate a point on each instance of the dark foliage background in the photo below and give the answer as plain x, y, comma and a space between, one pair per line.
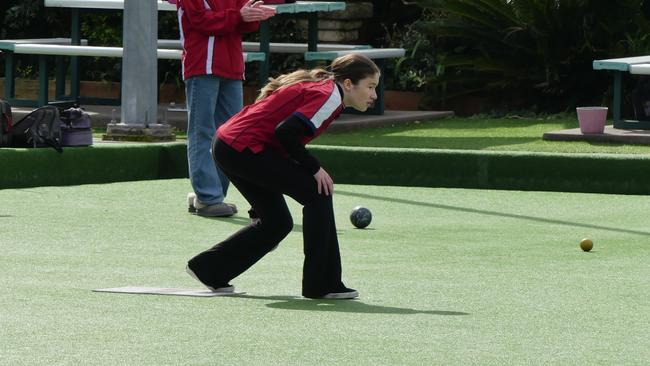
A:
509, 54
531, 54
30, 19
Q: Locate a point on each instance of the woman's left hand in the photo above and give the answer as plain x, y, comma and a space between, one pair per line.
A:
324, 182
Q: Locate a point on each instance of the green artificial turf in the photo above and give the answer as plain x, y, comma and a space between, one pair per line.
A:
477, 133
446, 276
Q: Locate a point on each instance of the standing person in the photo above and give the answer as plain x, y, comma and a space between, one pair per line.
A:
262, 151
213, 69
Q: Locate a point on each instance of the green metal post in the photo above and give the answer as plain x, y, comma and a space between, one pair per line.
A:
618, 99
312, 35
42, 80
265, 39
10, 89
75, 36
60, 78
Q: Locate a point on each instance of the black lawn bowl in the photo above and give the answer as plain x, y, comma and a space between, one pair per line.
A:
360, 217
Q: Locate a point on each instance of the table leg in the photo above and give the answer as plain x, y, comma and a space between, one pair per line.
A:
42, 80
265, 40
60, 78
618, 85
10, 89
312, 35
75, 36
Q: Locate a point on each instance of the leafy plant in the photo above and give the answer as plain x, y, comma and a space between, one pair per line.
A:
532, 53
29, 18
104, 29
411, 71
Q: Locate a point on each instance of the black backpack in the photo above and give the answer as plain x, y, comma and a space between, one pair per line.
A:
40, 128
6, 123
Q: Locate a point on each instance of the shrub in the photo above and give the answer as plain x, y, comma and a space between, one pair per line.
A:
531, 53
410, 72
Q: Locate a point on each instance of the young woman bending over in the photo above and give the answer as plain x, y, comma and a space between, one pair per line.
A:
262, 151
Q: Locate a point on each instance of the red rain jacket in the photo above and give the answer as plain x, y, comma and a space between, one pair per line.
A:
211, 37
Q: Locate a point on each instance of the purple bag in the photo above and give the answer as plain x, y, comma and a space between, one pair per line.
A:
76, 129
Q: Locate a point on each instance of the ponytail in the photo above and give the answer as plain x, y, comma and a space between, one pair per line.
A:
352, 66
292, 78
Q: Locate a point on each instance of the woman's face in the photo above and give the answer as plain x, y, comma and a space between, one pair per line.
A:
362, 95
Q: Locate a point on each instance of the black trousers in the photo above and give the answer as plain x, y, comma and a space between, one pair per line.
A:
263, 179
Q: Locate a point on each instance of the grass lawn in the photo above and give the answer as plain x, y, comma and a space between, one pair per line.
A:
446, 276
477, 134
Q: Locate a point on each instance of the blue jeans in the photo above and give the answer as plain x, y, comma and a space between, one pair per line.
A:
211, 101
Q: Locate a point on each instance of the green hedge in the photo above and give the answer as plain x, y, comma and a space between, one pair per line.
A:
98, 164
103, 163
606, 173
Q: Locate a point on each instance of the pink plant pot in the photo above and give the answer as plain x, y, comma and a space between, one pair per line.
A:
592, 119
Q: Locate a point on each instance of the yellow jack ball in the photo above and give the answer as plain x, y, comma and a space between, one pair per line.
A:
586, 244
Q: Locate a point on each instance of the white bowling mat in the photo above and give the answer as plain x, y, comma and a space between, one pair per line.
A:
165, 291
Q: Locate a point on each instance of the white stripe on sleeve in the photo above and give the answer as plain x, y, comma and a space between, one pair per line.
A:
326, 111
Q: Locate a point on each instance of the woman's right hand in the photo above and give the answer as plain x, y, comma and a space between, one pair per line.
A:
324, 182
256, 11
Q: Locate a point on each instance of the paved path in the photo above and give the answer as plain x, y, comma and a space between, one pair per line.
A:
611, 135
102, 115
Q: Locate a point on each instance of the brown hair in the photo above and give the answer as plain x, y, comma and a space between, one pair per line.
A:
352, 66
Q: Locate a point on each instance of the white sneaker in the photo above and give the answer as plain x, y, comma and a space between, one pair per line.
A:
227, 289
190, 202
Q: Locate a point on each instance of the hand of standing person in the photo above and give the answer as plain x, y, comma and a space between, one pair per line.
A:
324, 182
256, 11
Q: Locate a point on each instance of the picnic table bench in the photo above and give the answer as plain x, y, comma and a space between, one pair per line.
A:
303, 9
275, 47
327, 52
170, 49
8, 45
639, 65
43, 50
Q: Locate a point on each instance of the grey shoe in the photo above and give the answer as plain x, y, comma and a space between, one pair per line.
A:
227, 289
217, 210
